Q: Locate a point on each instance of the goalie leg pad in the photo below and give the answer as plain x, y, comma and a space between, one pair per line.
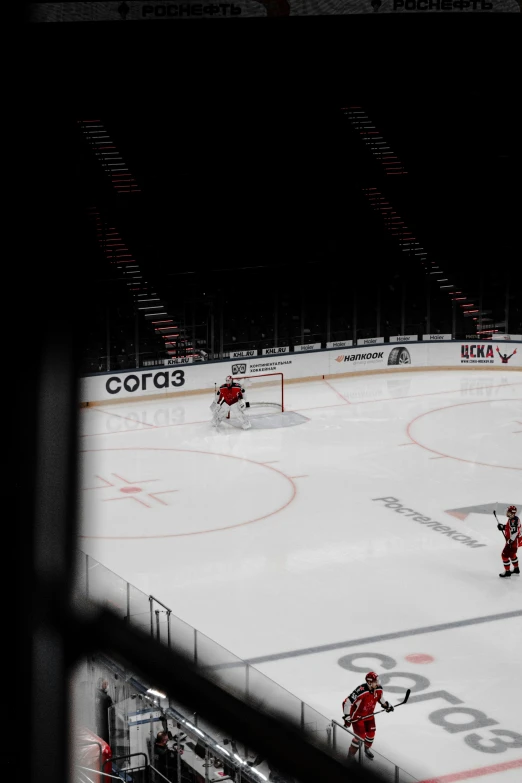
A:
222, 411
219, 413
238, 410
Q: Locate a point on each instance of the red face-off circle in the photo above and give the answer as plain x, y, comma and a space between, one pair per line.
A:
169, 486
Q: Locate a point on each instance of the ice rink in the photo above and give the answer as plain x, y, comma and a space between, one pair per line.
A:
359, 539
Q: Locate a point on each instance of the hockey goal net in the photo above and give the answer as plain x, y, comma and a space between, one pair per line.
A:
265, 390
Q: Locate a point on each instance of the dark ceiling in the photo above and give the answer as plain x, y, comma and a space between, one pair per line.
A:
227, 176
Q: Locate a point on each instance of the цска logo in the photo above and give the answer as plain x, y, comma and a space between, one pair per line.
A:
504, 358
239, 369
478, 353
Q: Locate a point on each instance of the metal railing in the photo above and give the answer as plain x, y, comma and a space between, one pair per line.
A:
219, 665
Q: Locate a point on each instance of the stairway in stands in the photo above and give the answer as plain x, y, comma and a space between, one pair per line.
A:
157, 314
396, 226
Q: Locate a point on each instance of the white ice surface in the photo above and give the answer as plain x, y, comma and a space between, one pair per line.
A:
271, 541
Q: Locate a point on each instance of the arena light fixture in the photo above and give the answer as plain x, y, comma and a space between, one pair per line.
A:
193, 728
157, 693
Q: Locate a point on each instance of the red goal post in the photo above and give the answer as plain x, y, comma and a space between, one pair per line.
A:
263, 389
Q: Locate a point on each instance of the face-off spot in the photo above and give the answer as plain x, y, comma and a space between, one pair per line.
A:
419, 658
182, 506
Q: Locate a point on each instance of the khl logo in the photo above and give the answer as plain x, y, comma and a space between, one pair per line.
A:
239, 369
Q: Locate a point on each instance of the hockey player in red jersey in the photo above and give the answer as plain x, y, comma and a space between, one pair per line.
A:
229, 394
362, 702
513, 534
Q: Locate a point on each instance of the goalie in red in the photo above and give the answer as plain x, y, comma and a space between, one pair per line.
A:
229, 395
360, 720
513, 534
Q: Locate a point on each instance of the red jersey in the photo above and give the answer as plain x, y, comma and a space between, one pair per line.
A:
513, 531
230, 394
363, 701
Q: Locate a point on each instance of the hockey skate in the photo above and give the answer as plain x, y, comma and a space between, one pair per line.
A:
506, 573
516, 570
369, 755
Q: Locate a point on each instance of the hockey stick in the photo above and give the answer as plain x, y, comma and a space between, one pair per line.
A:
365, 717
395, 705
495, 513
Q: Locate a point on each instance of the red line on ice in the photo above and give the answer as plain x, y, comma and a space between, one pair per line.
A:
468, 774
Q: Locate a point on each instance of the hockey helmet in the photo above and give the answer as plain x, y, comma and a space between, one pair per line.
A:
229, 380
511, 509
372, 677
